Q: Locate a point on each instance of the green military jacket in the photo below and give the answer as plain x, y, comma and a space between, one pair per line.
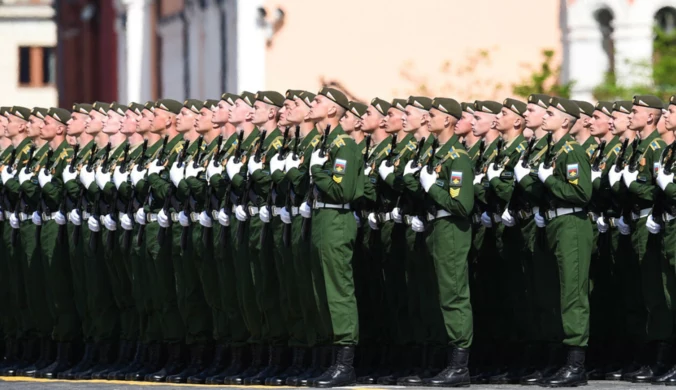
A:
453, 190
221, 182
602, 196
589, 146
125, 190
404, 152
248, 149
532, 188
642, 193
503, 186
376, 156
12, 188
160, 183
52, 194
299, 177
198, 185
489, 155
411, 183
72, 187
31, 188
262, 179
570, 185
473, 151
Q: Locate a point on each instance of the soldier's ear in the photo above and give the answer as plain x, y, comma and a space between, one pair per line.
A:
518, 122
332, 110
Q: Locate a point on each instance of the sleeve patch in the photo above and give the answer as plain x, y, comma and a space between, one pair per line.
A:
572, 171
454, 192
456, 179
339, 166
656, 168
337, 179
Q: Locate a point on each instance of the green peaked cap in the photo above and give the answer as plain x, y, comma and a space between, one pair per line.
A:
487, 106
380, 105
648, 101
336, 96
604, 107
59, 114
566, 106
623, 106
516, 106
448, 106
358, 109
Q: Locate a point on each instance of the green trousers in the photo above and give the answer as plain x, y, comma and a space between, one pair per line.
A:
40, 324
393, 240
78, 277
449, 240
9, 310
629, 275
246, 291
374, 328
206, 263
25, 326
333, 239
142, 270
120, 283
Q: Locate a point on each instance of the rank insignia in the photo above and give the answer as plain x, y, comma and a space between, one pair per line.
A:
456, 179
572, 171
339, 166
454, 192
337, 179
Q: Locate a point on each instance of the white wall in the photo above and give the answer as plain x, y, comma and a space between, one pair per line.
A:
171, 32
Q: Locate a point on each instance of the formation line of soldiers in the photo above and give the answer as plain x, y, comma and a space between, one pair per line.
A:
260, 238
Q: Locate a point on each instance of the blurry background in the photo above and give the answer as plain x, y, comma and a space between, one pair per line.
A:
65, 51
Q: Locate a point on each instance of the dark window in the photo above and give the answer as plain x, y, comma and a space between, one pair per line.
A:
37, 66
24, 65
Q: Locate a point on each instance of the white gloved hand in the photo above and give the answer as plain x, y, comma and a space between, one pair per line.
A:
305, 210
285, 215
233, 168
87, 178
264, 214
277, 164
602, 225
409, 169
629, 177
102, 178
155, 167
176, 173
540, 220
240, 213
427, 180
478, 178
119, 177
109, 223
595, 175
624, 228
183, 219
214, 169
367, 171
223, 218
25, 175
140, 216
614, 176
193, 171
373, 222
75, 218
317, 160
384, 170
254, 166
67, 175
36, 218
417, 225
663, 179
126, 222
14, 221
94, 224
60, 219
508, 219
544, 173
493, 172
396, 215
205, 220
137, 175
163, 219
357, 219
291, 162
486, 220
44, 178
653, 227
6, 174
520, 171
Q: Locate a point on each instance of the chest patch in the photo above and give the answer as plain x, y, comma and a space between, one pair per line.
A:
339, 166
572, 171
456, 179
656, 168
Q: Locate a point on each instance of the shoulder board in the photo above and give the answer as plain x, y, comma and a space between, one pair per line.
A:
411, 145
520, 147
25, 149
314, 142
339, 141
567, 148
453, 154
275, 144
655, 145
177, 148
64, 154
617, 149
591, 149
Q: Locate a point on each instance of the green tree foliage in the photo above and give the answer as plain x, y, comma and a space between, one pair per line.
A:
544, 80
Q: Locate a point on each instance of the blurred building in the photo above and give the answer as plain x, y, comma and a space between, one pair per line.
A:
28, 46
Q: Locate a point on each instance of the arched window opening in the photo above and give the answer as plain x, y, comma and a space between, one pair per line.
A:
604, 17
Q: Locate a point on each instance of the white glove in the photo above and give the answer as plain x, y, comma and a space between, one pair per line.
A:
119, 177
14, 221
285, 215
102, 178
544, 173
305, 210
357, 219
140, 216
417, 225
25, 175
240, 213
629, 177
478, 178
214, 169
223, 218
595, 175
155, 167
493, 172
614, 176
75, 218
233, 168
183, 219
6, 175
396, 215
384, 170
36, 218
520, 171
624, 228
67, 175
176, 173
163, 219
264, 214
126, 222
109, 223
254, 166
601, 225
409, 169
653, 227
87, 178
277, 164
93, 224
507, 218
193, 171
60, 219
540, 220
373, 222
291, 162
663, 179
137, 175
427, 180
317, 160
205, 220
367, 171
486, 220
44, 178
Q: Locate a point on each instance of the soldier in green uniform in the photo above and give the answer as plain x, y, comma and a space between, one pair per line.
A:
581, 130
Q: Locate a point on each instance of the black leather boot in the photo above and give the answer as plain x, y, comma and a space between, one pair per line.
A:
416, 377
136, 364
326, 361
341, 373
235, 366
666, 377
43, 361
312, 371
457, 372
153, 364
552, 354
296, 368
217, 366
195, 366
174, 365
254, 368
273, 368
87, 362
660, 366
103, 362
62, 364
125, 354
400, 361
381, 367
571, 374
28, 357
11, 355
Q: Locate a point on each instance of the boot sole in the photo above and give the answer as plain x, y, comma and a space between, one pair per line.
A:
565, 385
446, 385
